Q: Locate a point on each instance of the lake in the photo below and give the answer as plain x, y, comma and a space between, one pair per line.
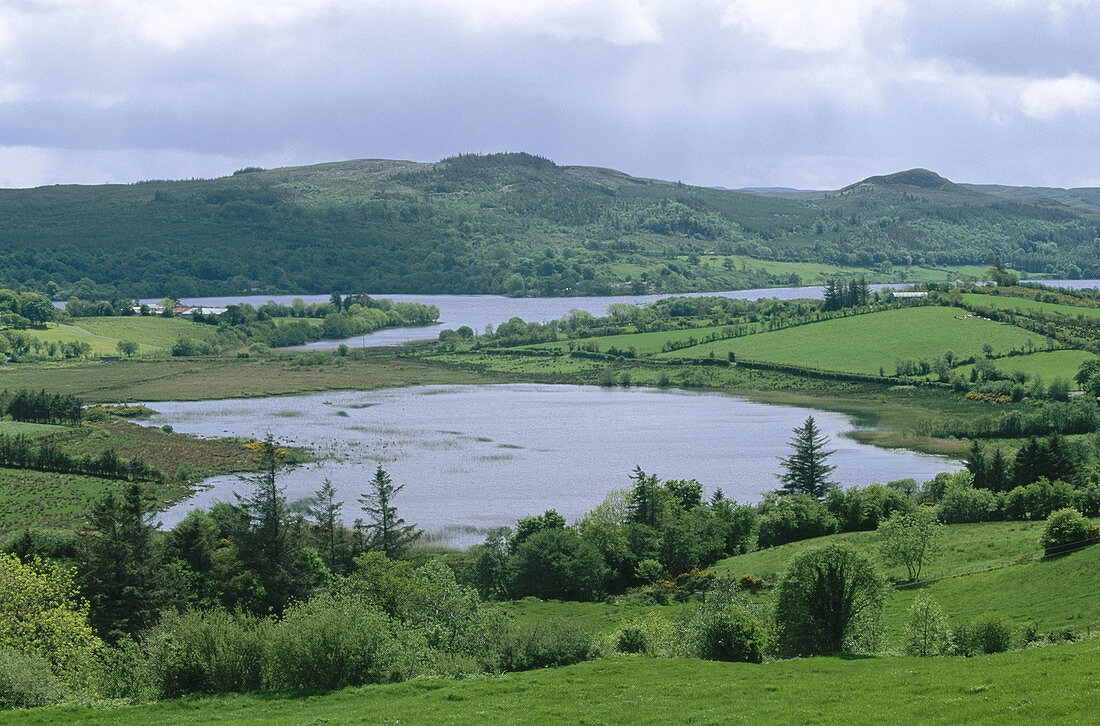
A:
476, 457
478, 311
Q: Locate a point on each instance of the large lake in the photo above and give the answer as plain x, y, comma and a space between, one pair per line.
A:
476, 457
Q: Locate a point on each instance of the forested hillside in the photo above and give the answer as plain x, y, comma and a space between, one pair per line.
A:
517, 224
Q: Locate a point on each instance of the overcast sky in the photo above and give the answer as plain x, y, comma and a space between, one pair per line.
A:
802, 93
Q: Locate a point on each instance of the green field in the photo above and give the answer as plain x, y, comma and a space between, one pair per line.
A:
149, 330
643, 343
30, 430
1048, 365
989, 566
154, 335
866, 343
1058, 684
1025, 306
37, 498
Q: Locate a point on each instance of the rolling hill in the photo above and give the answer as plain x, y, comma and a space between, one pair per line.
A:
516, 224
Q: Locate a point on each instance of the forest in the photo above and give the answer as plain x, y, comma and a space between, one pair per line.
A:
511, 224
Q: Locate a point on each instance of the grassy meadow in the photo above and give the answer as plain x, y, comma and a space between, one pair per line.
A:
1057, 684
1029, 307
866, 343
1048, 364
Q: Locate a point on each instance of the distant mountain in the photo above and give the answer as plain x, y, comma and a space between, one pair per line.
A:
786, 192
517, 224
1084, 198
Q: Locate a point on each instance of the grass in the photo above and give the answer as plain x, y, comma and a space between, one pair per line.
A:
1048, 365
1049, 685
194, 379
35, 498
1025, 306
866, 343
30, 430
150, 330
154, 335
988, 566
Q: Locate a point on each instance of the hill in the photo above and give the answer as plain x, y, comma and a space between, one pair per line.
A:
511, 223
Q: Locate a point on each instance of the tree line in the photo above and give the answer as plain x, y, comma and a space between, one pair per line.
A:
42, 407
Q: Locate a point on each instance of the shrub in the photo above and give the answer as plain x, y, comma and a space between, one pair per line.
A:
26, 681
963, 503
926, 632
862, 509
988, 634
793, 517
1067, 530
208, 652
545, 643
653, 636
732, 634
825, 600
41, 613
332, 642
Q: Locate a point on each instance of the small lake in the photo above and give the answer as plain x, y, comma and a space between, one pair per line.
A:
476, 457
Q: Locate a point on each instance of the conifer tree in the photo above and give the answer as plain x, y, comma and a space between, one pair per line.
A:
388, 533
805, 470
325, 511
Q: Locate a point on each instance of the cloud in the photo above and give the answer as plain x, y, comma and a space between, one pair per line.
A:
721, 92
1049, 99
812, 26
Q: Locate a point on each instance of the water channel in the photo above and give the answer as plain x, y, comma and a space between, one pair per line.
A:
476, 457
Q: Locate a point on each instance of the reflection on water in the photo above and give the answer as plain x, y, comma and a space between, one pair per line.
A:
476, 457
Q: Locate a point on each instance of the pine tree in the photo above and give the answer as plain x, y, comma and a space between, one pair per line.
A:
645, 498
976, 465
270, 547
805, 470
388, 533
117, 572
325, 511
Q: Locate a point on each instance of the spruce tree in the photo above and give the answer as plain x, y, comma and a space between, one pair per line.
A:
388, 533
117, 569
325, 511
805, 470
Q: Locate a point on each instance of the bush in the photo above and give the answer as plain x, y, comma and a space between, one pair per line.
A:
208, 652
1067, 530
926, 632
332, 642
791, 518
963, 503
829, 599
863, 509
730, 634
26, 681
543, 644
988, 634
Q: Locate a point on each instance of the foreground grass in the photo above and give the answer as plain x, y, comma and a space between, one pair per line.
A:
1049, 685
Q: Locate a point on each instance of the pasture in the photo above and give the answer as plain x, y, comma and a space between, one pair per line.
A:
1029, 307
869, 342
1047, 365
1047, 685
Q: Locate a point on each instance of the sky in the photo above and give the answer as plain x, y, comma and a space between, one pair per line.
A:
813, 94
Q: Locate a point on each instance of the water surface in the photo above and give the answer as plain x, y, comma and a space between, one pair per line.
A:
476, 457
